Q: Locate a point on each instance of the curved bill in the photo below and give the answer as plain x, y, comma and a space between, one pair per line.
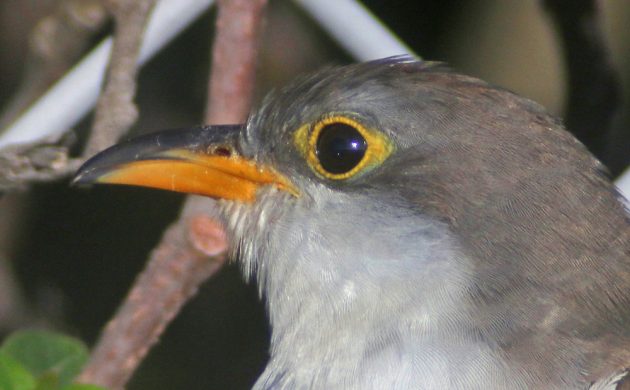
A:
204, 161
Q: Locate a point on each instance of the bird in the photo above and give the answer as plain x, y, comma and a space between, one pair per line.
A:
410, 227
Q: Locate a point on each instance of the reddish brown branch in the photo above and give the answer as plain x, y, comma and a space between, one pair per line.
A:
115, 110
193, 247
234, 60
174, 272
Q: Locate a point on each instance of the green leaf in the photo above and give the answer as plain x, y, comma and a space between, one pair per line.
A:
48, 381
14, 376
81, 386
44, 353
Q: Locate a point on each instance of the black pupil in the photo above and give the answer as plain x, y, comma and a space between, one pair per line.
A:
340, 147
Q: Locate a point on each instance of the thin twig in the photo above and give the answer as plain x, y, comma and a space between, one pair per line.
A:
39, 129
115, 110
54, 45
76, 93
594, 88
25, 164
193, 247
21, 166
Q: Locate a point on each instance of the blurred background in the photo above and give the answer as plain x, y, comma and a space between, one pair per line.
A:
68, 256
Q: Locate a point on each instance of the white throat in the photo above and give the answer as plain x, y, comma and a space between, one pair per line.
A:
360, 303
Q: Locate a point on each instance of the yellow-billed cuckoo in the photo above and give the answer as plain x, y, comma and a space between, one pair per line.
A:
411, 228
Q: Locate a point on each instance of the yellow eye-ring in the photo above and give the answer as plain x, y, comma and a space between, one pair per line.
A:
338, 147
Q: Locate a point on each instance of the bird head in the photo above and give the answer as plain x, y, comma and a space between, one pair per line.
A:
321, 170
391, 201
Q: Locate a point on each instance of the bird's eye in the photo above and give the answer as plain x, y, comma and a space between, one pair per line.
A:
338, 147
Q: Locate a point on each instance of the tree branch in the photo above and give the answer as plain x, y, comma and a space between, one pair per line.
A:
234, 55
115, 110
77, 92
20, 166
55, 43
172, 276
193, 247
38, 130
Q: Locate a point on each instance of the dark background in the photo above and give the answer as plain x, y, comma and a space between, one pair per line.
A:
75, 252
